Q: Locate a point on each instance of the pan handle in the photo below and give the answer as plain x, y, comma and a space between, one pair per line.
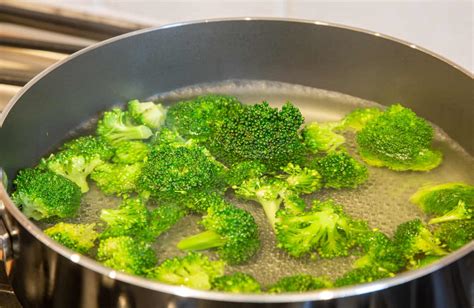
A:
8, 233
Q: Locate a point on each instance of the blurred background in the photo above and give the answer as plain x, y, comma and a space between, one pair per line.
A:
36, 34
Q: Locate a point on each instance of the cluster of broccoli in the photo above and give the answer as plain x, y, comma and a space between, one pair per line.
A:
166, 163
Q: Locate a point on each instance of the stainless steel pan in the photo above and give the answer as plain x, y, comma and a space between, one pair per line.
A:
143, 63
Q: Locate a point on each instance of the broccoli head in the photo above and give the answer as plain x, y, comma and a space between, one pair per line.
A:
163, 217
90, 146
322, 137
194, 270
147, 113
117, 179
266, 191
362, 275
301, 180
325, 228
179, 169
260, 133
43, 194
462, 211
239, 172
198, 118
126, 254
117, 125
427, 260
236, 283
131, 218
400, 140
413, 239
300, 283
292, 202
357, 119
379, 252
130, 152
455, 234
340, 170
197, 202
78, 237
440, 199
231, 230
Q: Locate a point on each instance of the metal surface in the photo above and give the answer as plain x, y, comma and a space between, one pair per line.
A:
323, 56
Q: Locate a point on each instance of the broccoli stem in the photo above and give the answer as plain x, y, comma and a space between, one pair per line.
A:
202, 241
271, 207
458, 213
426, 243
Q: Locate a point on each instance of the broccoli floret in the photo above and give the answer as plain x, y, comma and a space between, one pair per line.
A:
130, 152
164, 217
170, 137
266, 191
362, 275
413, 239
195, 270
90, 146
126, 254
43, 194
455, 234
440, 199
427, 260
236, 283
340, 170
179, 169
301, 180
292, 202
357, 119
116, 126
461, 212
300, 283
197, 202
239, 172
231, 230
147, 113
400, 140
325, 228
198, 118
78, 237
131, 218
380, 252
117, 179
321, 137
260, 133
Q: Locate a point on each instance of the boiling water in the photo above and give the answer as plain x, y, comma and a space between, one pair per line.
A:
382, 200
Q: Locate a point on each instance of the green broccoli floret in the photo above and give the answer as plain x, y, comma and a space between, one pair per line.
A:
195, 270
117, 179
236, 283
130, 152
147, 113
131, 218
362, 275
164, 217
340, 170
357, 119
379, 252
78, 159
260, 133
427, 260
440, 199
292, 202
301, 180
239, 172
197, 202
43, 194
413, 239
78, 237
321, 137
170, 137
300, 283
126, 254
266, 191
179, 169
325, 228
461, 212
116, 126
400, 140
198, 118
231, 230
455, 234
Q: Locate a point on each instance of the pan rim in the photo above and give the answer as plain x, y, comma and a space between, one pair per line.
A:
325, 294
